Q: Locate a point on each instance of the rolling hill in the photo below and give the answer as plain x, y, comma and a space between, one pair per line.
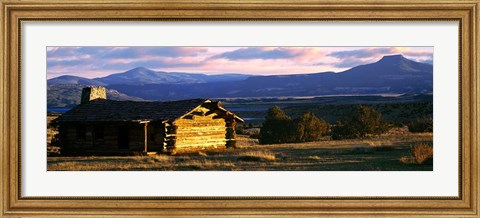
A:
68, 79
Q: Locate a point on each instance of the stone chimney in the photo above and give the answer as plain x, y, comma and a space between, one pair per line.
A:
93, 92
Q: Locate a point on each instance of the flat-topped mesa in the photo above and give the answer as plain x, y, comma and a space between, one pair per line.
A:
93, 92
389, 59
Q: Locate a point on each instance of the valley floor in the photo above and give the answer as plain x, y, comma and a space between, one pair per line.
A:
380, 153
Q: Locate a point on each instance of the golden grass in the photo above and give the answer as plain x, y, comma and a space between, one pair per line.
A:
256, 156
370, 141
206, 164
375, 153
314, 157
407, 160
202, 153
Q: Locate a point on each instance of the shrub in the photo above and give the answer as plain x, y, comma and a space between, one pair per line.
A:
280, 128
367, 120
422, 153
421, 125
310, 128
342, 131
362, 122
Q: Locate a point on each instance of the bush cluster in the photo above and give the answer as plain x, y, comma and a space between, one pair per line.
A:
421, 125
309, 128
280, 128
362, 122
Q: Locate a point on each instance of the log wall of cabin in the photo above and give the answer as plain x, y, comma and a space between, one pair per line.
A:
109, 142
200, 131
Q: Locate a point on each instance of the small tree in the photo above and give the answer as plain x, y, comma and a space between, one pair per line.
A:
366, 120
276, 128
310, 128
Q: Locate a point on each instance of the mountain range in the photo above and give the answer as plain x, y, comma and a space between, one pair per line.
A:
393, 74
142, 75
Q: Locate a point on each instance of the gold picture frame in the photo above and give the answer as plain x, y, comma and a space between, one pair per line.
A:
15, 12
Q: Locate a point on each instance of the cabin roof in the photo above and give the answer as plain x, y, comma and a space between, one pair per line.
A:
102, 110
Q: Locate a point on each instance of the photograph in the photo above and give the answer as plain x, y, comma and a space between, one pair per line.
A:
231, 108
227, 108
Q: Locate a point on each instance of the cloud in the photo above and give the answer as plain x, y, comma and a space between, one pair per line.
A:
105, 59
143, 52
308, 56
125, 52
349, 63
361, 53
258, 53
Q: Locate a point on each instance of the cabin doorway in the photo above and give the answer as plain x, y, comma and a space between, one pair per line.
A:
123, 141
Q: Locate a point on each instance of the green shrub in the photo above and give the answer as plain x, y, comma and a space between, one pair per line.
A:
342, 131
363, 121
421, 125
276, 128
280, 128
310, 128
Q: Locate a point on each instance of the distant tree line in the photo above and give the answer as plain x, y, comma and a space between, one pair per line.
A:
363, 121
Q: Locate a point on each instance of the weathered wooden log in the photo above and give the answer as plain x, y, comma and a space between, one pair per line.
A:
231, 133
194, 134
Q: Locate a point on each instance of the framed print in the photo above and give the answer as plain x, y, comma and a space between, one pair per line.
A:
253, 108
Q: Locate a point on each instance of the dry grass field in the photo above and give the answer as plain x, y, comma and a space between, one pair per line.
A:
380, 153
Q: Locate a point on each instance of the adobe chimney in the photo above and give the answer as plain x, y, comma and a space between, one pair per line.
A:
93, 92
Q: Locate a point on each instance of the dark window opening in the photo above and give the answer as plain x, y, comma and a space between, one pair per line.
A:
123, 139
99, 132
152, 137
81, 132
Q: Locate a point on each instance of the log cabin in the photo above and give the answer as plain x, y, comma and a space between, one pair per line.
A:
99, 125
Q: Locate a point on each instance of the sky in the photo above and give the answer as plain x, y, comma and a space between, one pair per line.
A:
93, 62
